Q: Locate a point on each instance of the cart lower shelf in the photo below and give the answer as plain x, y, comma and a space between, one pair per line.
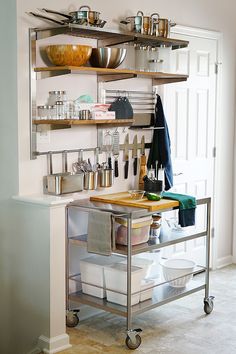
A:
161, 295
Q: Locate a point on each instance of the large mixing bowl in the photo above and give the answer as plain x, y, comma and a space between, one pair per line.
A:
68, 54
107, 57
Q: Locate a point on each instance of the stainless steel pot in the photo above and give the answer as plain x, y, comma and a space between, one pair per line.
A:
106, 177
134, 23
92, 16
75, 17
163, 27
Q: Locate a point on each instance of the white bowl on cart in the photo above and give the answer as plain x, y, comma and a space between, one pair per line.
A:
178, 268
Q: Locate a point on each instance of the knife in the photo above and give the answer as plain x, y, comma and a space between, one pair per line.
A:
143, 164
143, 145
135, 154
126, 155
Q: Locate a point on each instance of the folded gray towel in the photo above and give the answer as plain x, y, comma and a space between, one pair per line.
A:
99, 232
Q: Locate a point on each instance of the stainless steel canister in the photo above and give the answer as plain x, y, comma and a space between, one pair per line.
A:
90, 180
106, 177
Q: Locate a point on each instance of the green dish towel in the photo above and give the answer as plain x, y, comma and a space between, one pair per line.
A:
187, 206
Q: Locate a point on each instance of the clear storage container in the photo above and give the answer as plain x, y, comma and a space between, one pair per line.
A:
139, 231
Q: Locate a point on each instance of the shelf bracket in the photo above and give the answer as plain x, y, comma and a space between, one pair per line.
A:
163, 81
114, 77
115, 40
47, 74
46, 127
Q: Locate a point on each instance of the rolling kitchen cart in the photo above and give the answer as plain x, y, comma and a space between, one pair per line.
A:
162, 291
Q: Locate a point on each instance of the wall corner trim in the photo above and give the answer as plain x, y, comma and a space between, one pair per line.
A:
54, 344
224, 261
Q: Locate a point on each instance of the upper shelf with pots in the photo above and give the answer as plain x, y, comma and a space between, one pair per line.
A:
62, 61
109, 36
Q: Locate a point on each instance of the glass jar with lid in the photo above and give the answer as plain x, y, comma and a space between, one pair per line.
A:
141, 60
42, 112
154, 63
60, 110
55, 96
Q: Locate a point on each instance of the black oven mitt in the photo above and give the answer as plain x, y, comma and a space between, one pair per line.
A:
122, 107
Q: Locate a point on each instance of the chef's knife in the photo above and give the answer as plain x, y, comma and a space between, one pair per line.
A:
135, 154
126, 155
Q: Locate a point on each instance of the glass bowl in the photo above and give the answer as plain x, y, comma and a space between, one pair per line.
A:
136, 194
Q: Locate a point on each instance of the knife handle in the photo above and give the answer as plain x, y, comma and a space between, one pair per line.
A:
126, 169
109, 162
116, 169
135, 165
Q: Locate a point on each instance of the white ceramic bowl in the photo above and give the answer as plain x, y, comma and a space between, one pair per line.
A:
175, 268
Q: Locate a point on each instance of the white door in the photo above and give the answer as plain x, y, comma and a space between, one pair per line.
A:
190, 112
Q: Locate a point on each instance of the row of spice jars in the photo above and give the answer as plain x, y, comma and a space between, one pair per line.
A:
59, 107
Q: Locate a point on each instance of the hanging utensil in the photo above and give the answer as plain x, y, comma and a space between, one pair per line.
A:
116, 150
108, 146
126, 156
135, 154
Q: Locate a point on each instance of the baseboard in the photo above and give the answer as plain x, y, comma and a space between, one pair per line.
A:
35, 351
224, 261
55, 344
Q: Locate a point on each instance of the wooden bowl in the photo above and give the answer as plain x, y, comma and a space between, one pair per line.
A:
68, 54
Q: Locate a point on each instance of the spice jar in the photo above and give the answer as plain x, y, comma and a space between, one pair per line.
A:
60, 110
42, 112
55, 96
155, 227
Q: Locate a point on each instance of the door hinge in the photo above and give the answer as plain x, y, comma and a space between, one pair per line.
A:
212, 232
214, 152
217, 67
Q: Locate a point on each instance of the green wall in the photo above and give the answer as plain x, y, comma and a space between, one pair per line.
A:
8, 164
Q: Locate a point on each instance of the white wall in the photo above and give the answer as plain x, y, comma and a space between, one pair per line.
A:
208, 14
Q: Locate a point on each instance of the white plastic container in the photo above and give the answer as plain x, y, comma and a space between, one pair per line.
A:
146, 289
116, 279
175, 268
143, 263
92, 271
154, 270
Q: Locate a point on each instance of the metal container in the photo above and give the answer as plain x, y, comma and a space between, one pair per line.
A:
106, 177
90, 180
61, 183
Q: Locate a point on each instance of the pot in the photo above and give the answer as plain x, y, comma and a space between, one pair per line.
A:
75, 17
134, 23
90, 16
163, 27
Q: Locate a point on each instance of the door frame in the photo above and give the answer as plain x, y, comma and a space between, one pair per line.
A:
216, 202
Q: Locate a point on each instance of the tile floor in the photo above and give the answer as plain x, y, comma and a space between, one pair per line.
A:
180, 327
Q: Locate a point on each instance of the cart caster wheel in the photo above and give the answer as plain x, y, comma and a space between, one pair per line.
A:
72, 319
208, 305
133, 345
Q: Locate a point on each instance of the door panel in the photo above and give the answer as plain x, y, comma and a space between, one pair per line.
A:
190, 113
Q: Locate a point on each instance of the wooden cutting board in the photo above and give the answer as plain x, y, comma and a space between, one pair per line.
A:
123, 198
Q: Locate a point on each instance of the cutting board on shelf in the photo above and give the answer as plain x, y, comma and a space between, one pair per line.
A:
123, 198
